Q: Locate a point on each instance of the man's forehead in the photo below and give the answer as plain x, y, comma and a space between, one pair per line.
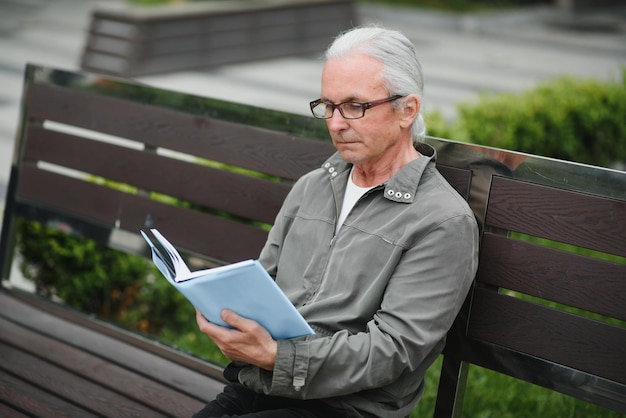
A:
351, 78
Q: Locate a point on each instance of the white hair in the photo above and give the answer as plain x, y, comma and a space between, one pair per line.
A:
402, 71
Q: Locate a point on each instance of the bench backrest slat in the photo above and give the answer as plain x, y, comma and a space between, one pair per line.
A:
272, 152
566, 278
81, 204
42, 189
215, 237
459, 178
550, 334
574, 218
215, 189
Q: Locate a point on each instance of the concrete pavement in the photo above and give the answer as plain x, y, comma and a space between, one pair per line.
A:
462, 56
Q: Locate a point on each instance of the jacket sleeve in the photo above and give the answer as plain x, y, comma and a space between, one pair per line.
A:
425, 290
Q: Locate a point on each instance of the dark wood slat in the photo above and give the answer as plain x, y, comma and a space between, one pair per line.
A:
72, 196
547, 333
8, 411
459, 178
571, 279
81, 364
262, 150
571, 217
35, 401
74, 388
240, 195
220, 238
191, 230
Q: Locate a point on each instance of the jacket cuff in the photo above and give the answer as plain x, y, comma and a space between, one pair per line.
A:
288, 379
290, 369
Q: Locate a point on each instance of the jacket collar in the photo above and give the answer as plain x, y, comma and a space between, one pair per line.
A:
400, 188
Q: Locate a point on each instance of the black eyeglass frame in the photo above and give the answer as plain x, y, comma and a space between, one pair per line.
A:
364, 106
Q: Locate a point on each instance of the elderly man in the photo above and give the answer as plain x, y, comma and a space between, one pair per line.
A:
375, 249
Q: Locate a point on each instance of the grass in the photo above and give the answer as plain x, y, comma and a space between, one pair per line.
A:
493, 395
490, 394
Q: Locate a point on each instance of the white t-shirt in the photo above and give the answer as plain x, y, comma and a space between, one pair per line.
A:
353, 194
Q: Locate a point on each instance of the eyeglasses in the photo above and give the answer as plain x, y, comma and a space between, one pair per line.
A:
349, 110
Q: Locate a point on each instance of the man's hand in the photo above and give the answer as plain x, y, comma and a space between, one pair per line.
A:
248, 341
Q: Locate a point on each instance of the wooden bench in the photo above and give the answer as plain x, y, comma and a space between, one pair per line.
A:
78, 127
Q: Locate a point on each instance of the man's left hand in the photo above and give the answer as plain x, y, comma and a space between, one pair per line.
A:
247, 341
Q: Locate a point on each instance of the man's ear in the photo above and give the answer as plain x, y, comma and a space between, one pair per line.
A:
410, 108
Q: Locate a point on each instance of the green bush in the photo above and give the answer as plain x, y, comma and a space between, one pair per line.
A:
84, 275
565, 118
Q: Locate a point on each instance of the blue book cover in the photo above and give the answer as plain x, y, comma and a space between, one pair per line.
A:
244, 287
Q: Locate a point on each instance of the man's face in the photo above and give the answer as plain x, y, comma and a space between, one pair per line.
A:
375, 138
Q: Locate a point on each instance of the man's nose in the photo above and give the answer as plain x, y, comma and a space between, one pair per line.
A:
336, 120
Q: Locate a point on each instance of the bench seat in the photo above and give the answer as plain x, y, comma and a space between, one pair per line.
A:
59, 362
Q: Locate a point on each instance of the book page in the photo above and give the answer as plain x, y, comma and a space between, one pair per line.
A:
164, 265
180, 267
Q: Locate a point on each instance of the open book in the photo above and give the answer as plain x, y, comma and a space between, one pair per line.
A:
244, 287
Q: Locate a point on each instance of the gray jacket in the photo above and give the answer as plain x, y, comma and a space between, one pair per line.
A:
381, 294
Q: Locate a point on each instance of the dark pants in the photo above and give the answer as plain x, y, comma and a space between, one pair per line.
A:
238, 401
